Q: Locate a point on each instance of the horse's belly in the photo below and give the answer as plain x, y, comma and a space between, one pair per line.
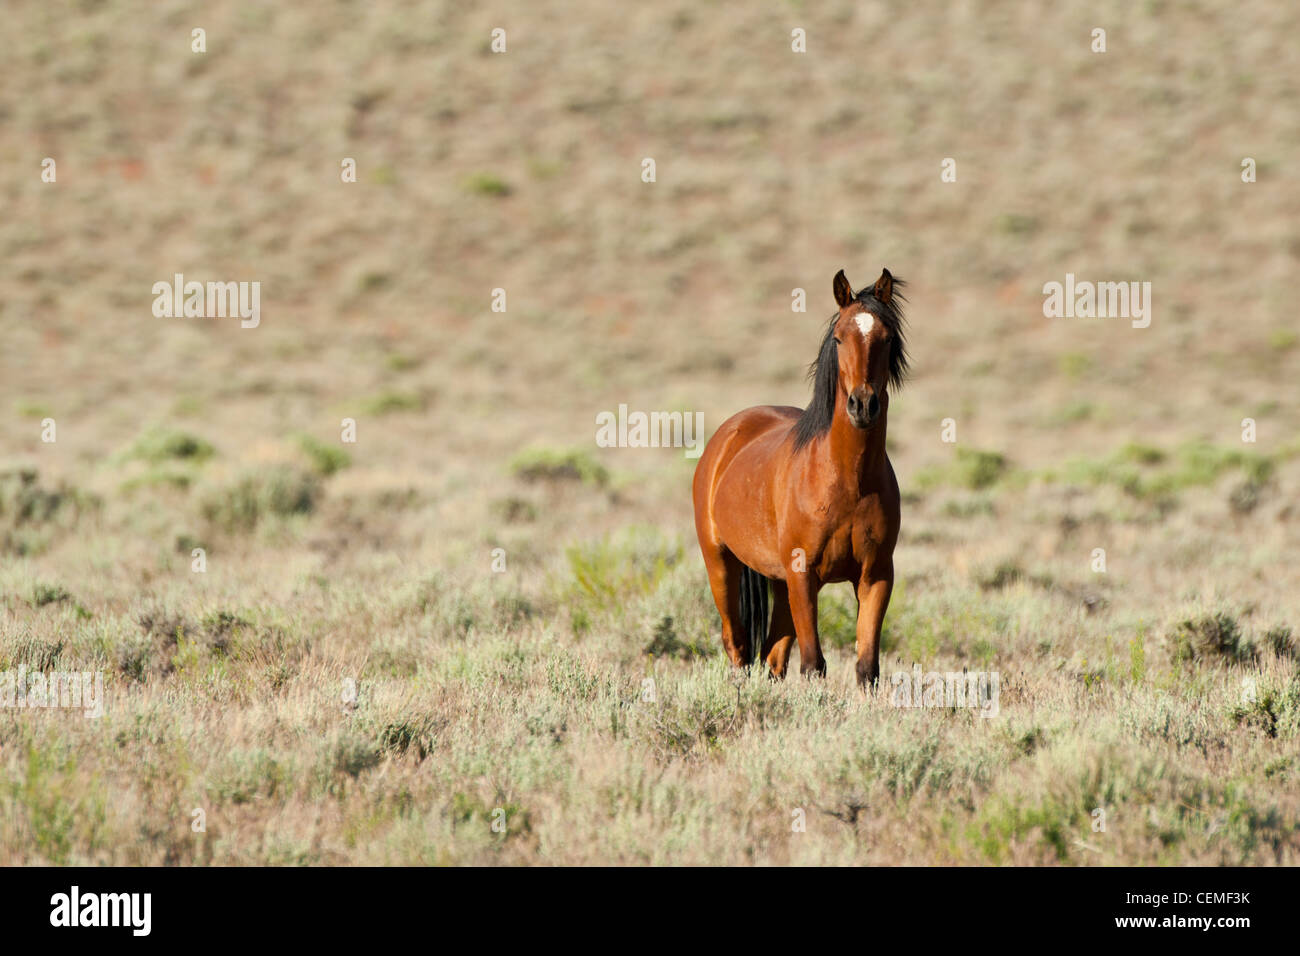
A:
744, 517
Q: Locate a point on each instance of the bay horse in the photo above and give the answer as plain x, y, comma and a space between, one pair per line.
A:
807, 497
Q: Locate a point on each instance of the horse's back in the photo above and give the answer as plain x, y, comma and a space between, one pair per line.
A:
759, 421
768, 423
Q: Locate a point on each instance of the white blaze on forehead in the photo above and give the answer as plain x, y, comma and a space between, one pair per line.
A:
866, 322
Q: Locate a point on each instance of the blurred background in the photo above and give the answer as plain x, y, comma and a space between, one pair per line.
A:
522, 170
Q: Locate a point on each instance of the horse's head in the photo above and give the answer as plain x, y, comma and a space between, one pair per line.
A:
869, 346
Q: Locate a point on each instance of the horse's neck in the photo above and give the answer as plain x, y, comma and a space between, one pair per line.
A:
858, 454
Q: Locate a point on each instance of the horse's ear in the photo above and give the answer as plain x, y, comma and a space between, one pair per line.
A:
843, 291
884, 289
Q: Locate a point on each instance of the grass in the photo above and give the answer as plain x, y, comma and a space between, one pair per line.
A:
696, 751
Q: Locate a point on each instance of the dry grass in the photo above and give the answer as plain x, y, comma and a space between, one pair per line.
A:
370, 565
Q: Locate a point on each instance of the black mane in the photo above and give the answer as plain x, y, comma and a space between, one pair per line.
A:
825, 369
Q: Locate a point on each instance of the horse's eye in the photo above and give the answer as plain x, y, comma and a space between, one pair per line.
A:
838, 342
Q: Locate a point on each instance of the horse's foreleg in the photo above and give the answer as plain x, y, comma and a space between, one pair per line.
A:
803, 588
874, 589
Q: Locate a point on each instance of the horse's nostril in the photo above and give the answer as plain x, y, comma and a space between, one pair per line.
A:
855, 405
873, 406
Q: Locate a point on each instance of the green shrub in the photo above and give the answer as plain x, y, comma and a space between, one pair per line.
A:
606, 576
487, 184
325, 458
31, 514
278, 492
388, 402
1273, 710
971, 469
1215, 636
668, 643
160, 445
545, 464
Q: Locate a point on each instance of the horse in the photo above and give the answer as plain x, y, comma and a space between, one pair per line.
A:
806, 497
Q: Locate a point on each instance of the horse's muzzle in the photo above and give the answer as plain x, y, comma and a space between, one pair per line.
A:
863, 408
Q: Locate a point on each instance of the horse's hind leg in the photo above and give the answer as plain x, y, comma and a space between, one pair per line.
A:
724, 570
780, 634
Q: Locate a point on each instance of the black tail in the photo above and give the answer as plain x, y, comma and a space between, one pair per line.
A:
753, 609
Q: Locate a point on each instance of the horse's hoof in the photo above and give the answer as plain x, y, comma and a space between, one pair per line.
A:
868, 677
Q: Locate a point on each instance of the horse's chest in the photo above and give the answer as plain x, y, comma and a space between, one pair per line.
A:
852, 540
